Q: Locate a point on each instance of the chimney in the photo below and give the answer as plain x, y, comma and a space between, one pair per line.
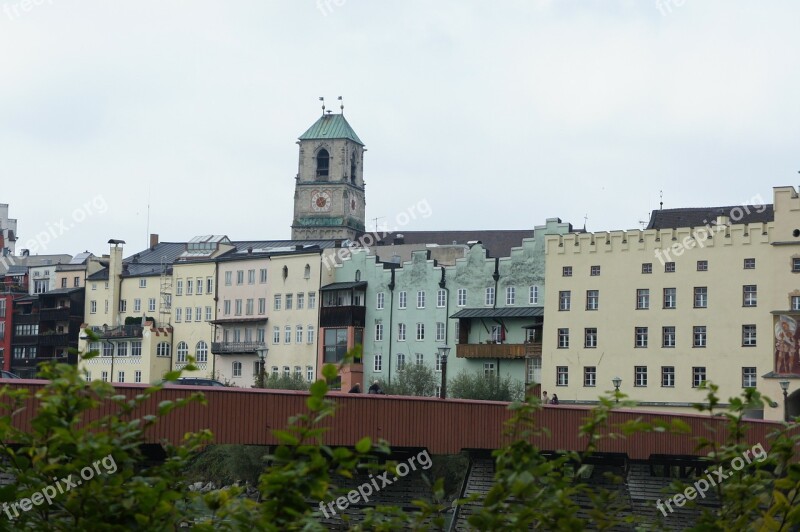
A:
249, 250
114, 274
399, 238
153, 240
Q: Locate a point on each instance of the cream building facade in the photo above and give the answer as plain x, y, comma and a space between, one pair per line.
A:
695, 297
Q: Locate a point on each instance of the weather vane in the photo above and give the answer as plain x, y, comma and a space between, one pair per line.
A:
322, 99
341, 105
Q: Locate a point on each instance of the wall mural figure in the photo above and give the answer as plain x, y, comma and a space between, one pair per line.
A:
787, 357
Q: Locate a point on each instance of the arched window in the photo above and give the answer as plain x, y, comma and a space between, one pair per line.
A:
307, 273
353, 167
237, 369
201, 352
323, 162
162, 349
183, 350
358, 275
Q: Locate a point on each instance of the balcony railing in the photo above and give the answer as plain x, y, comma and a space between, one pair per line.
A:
123, 331
496, 350
236, 348
342, 316
60, 340
58, 314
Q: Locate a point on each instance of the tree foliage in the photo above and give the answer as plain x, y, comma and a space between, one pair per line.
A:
414, 379
476, 385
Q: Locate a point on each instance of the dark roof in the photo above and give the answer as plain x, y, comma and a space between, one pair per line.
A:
505, 312
62, 291
331, 126
345, 285
498, 242
238, 320
700, 216
17, 270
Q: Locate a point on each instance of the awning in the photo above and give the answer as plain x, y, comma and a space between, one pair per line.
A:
223, 321
344, 286
505, 312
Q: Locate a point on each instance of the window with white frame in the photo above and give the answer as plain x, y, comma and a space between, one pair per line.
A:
642, 298
401, 299
120, 376
248, 309
123, 305
301, 300
198, 314
379, 332
641, 337
440, 331
237, 368
698, 376
228, 278
647, 267
380, 300
441, 298
594, 271
188, 313
122, 349
226, 307
511, 295
201, 352
533, 295
189, 287
208, 314
179, 287
298, 334
562, 376
590, 376
749, 264
178, 314
749, 335
488, 299
251, 277
209, 285
377, 362
262, 275
420, 331
92, 307
563, 338
640, 376
182, 352
421, 299
670, 297
401, 332
401, 360
749, 295
668, 336
702, 265
700, 297
419, 359
310, 334
667, 376
151, 304
239, 277
699, 336
748, 377
162, 349
276, 335
199, 286
488, 369
564, 297
277, 303
592, 299
461, 297
287, 334
137, 376
289, 301
309, 373
590, 335
566, 271
104, 376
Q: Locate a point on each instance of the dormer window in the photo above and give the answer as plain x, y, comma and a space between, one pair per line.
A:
323, 163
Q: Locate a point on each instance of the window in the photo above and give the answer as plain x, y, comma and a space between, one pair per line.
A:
563, 338
441, 298
208, 313
287, 372
749, 264
105, 306
748, 377
668, 376
182, 351
796, 264
322, 163
275, 371
564, 297
419, 359
276, 335
179, 287
301, 301
489, 296
310, 334
668, 337
380, 300
702, 265
136, 348
640, 376
162, 349
122, 349
510, 295
795, 302
239, 277
64, 282
94, 286
592, 299
309, 373
237, 369
590, 376
497, 333
201, 352
377, 362
123, 305
440, 331
698, 376
401, 360
437, 363
76, 282
379, 332
228, 277
401, 301
533, 295
594, 271
642, 298
137, 305
262, 275
566, 271
289, 301
750, 295
189, 287
188, 313
120, 376
420, 332
699, 333
669, 267
261, 335
488, 369
277, 305
748, 335
298, 334
462, 297
226, 307
421, 299
401, 332
104, 376
251, 277
700, 297
137, 376
641, 337
287, 334
92, 307
562, 376
199, 287
533, 369
590, 337
209, 285
647, 267
178, 314
151, 304
670, 297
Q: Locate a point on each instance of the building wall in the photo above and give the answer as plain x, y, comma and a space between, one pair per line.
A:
620, 257
197, 332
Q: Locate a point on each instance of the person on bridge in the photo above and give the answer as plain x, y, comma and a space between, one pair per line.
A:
554, 400
356, 388
375, 388
545, 399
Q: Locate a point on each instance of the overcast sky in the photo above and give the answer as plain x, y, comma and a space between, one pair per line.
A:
496, 114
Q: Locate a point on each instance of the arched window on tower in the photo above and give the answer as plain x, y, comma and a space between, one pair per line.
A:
353, 167
323, 163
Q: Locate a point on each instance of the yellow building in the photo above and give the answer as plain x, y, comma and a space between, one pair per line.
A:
689, 299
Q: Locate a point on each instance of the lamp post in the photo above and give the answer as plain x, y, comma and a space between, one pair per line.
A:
617, 382
262, 357
443, 352
785, 388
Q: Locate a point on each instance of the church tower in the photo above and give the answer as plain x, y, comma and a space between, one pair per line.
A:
329, 191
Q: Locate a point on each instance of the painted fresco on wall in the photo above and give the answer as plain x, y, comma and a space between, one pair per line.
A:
787, 341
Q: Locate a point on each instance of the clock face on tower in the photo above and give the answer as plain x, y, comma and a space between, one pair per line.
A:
321, 201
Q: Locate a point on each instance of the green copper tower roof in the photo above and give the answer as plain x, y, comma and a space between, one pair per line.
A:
331, 126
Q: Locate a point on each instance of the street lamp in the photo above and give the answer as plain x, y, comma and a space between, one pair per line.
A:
617, 382
785, 388
443, 352
262, 357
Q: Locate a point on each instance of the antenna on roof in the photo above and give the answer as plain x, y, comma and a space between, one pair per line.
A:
376, 222
341, 105
322, 99
148, 215
585, 217
661, 197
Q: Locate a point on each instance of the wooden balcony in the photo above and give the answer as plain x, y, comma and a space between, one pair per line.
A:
349, 316
496, 350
